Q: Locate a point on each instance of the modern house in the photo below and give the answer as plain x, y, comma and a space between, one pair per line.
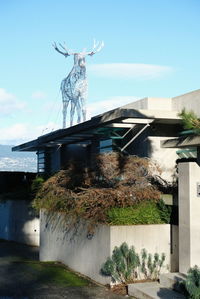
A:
137, 129
149, 127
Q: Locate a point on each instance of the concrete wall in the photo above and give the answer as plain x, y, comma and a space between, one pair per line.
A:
164, 157
152, 237
151, 104
189, 101
189, 216
73, 248
174, 248
160, 104
139, 104
18, 222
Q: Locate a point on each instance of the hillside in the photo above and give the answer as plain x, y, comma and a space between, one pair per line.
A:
17, 161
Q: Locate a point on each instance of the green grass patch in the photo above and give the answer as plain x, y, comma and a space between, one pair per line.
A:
147, 212
52, 273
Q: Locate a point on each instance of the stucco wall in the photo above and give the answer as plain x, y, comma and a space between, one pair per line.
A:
18, 222
59, 243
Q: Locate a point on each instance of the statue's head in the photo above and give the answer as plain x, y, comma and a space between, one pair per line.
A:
79, 59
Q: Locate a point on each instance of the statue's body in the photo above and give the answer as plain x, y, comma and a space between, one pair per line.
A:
74, 86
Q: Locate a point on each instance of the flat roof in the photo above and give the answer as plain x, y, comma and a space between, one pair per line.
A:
116, 119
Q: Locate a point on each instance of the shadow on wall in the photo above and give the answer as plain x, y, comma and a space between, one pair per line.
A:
18, 222
68, 228
11, 181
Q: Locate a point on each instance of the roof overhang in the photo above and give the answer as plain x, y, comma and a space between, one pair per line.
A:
117, 119
182, 142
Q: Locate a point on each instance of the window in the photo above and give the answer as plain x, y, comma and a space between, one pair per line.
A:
105, 146
41, 161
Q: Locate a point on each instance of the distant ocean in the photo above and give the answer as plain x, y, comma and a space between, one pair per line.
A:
17, 161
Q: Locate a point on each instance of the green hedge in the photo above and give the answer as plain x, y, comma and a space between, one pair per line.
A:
147, 212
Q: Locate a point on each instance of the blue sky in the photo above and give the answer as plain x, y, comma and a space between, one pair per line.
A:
151, 49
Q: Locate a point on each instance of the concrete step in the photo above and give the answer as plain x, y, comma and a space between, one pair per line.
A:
152, 290
173, 281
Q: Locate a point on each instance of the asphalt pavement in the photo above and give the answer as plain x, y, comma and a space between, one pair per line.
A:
16, 281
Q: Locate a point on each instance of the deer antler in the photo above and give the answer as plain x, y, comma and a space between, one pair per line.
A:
96, 47
61, 52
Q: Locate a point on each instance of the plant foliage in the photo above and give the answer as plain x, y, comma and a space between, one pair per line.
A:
126, 265
114, 181
190, 121
145, 212
192, 283
37, 184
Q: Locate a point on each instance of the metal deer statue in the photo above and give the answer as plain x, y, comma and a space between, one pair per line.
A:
74, 86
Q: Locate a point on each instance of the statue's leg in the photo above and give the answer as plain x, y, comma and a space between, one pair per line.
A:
72, 111
83, 108
78, 110
65, 105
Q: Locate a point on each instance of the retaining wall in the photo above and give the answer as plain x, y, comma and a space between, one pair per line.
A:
86, 254
18, 222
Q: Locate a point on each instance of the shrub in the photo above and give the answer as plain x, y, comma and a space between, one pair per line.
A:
192, 283
126, 265
164, 211
147, 212
113, 169
190, 121
123, 264
37, 184
115, 181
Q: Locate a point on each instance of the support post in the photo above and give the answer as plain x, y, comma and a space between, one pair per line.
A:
189, 215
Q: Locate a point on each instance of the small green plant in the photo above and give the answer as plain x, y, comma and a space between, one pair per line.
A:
151, 266
37, 184
164, 211
144, 262
126, 265
190, 121
192, 283
123, 264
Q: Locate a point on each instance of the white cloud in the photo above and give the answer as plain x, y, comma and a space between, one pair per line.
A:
129, 70
110, 103
9, 103
38, 95
22, 132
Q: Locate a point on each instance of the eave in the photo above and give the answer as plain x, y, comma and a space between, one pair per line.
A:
117, 118
182, 142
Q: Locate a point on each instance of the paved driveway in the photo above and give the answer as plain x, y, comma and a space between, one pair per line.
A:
16, 281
